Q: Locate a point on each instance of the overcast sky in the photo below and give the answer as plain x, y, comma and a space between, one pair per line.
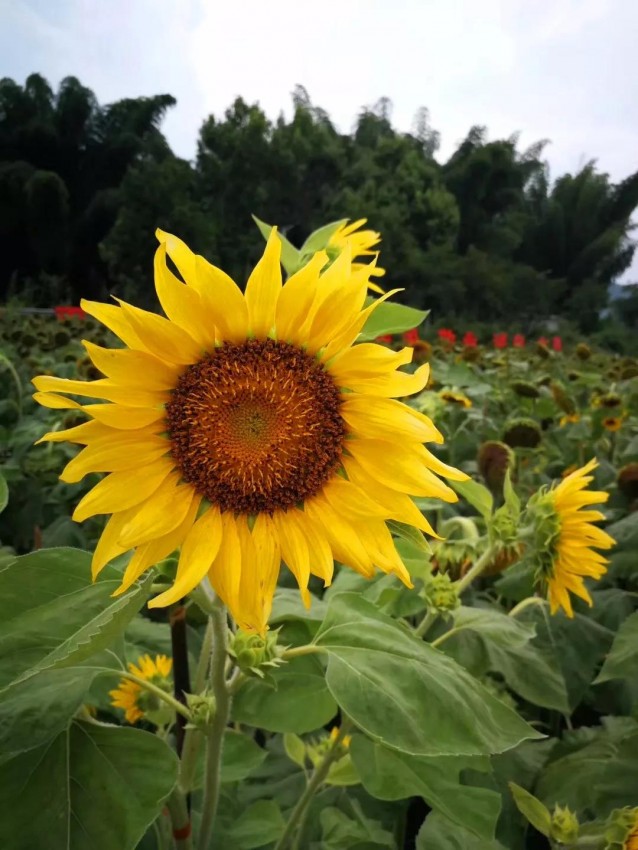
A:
563, 70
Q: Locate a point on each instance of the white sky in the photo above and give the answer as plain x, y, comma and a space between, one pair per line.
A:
563, 70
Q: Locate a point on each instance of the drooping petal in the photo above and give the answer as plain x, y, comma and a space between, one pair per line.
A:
263, 289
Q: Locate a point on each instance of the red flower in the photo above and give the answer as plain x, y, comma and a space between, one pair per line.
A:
557, 343
518, 341
69, 313
411, 337
543, 340
500, 340
446, 335
386, 338
470, 340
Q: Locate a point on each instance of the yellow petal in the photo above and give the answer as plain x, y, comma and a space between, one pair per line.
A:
267, 563
224, 299
354, 502
104, 389
126, 418
114, 456
320, 554
107, 546
348, 335
263, 289
296, 299
122, 490
226, 569
133, 368
152, 553
368, 360
182, 304
55, 401
294, 550
115, 320
161, 337
342, 536
82, 434
386, 418
160, 514
199, 550
181, 255
392, 384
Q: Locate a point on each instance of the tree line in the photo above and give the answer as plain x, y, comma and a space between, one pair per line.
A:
486, 235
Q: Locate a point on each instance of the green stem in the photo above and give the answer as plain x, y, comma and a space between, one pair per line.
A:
525, 603
427, 621
180, 820
215, 736
316, 781
442, 638
193, 737
158, 692
475, 570
306, 649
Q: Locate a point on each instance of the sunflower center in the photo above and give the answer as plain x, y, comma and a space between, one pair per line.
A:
256, 426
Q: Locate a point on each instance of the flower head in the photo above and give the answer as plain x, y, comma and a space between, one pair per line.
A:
411, 337
557, 343
500, 340
566, 537
470, 340
250, 428
612, 423
446, 335
455, 397
518, 341
136, 702
359, 244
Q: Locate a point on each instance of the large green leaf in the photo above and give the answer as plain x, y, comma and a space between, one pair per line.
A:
391, 318
261, 824
52, 615
622, 661
340, 832
406, 694
491, 641
439, 833
39, 707
4, 492
91, 786
391, 775
476, 494
300, 702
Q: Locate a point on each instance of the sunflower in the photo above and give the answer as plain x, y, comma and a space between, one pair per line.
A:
455, 397
136, 702
612, 423
359, 243
249, 429
566, 537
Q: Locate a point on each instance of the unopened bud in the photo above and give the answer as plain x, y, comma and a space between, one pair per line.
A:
564, 826
203, 708
253, 653
440, 593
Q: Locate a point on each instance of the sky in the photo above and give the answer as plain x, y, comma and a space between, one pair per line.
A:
562, 70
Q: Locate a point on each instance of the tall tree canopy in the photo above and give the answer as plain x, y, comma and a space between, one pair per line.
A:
485, 235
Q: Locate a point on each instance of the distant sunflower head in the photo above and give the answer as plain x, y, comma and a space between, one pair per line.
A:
248, 429
455, 397
612, 423
138, 703
522, 433
628, 480
566, 538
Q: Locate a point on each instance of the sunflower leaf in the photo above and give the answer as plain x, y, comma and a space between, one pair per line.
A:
390, 318
622, 660
404, 693
290, 256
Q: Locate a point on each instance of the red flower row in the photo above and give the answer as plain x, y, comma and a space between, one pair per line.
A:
69, 313
470, 340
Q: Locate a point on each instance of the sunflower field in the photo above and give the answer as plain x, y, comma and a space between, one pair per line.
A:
285, 567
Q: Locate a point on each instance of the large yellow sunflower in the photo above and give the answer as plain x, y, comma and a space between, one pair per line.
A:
569, 538
249, 429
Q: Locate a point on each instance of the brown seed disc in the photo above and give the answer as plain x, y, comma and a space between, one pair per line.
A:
256, 426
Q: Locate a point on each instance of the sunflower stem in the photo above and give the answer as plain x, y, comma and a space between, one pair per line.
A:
428, 620
215, 736
180, 820
306, 649
525, 603
475, 570
193, 737
317, 779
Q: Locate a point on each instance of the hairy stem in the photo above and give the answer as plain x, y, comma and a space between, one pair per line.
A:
158, 692
193, 737
428, 620
180, 820
475, 570
215, 736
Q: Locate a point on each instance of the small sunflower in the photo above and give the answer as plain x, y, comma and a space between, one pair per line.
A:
612, 423
248, 429
566, 536
455, 397
359, 243
136, 702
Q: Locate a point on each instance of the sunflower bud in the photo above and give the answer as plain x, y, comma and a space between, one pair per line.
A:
440, 593
522, 433
564, 826
494, 459
525, 389
562, 399
203, 708
583, 351
253, 653
609, 401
